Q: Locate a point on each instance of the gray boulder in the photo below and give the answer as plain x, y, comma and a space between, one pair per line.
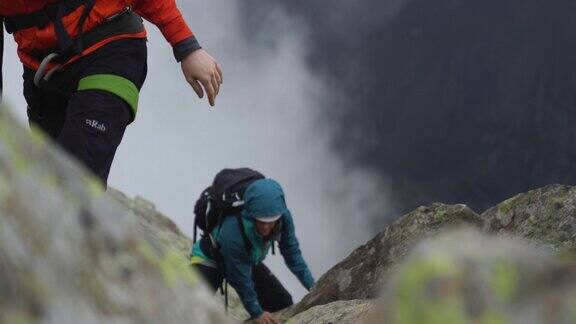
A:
545, 216
339, 312
70, 254
362, 274
166, 233
468, 277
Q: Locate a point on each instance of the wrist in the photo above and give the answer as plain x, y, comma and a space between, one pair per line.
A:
185, 48
256, 314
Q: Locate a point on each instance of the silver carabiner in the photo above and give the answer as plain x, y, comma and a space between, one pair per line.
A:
42, 75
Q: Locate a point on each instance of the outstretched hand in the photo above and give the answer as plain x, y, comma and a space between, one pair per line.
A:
203, 73
266, 318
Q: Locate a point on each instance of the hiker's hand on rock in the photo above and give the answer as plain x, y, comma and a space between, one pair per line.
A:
202, 71
266, 318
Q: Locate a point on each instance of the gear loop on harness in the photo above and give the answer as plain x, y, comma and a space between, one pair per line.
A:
68, 46
42, 75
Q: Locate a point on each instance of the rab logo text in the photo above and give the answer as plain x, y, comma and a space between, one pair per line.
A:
95, 124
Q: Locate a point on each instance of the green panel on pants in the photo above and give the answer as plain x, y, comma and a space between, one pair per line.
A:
117, 85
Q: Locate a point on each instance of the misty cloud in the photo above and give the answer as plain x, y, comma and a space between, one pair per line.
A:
455, 101
268, 117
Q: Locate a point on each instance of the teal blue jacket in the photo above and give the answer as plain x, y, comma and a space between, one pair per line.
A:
262, 198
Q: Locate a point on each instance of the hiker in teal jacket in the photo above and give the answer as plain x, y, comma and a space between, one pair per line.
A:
244, 241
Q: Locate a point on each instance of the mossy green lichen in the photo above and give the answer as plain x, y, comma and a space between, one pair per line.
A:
413, 305
48, 180
13, 153
573, 309
9, 136
19, 159
440, 215
4, 189
37, 136
493, 317
557, 203
30, 288
21, 162
91, 282
173, 266
16, 316
504, 280
507, 205
532, 219
95, 187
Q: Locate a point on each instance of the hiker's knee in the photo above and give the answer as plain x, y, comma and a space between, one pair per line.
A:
93, 128
213, 277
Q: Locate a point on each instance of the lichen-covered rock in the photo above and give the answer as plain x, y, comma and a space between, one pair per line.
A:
466, 277
166, 232
362, 274
339, 312
545, 216
157, 225
70, 254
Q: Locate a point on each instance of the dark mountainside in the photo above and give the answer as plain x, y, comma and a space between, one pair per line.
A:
455, 101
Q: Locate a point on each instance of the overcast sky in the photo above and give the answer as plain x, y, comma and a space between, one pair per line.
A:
267, 117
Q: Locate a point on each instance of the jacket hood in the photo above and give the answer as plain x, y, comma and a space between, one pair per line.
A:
264, 198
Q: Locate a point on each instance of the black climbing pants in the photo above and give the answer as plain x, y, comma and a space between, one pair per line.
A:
86, 106
272, 296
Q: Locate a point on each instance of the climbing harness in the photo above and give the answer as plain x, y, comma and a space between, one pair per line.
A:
123, 22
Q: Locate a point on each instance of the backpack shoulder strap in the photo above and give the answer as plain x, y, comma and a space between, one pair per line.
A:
247, 243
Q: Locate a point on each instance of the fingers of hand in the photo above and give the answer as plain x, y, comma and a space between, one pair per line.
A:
215, 84
219, 73
272, 320
267, 318
210, 91
197, 87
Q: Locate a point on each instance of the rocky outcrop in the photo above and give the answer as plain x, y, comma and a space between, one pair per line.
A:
164, 231
338, 312
546, 216
362, 274
167, 234
70, 254
467, 277
513, 277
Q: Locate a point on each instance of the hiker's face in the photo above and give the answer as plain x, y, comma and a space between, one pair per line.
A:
265, 228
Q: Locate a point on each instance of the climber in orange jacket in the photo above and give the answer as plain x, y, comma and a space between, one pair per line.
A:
85, 63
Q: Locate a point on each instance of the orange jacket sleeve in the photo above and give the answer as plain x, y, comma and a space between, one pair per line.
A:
166, 16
